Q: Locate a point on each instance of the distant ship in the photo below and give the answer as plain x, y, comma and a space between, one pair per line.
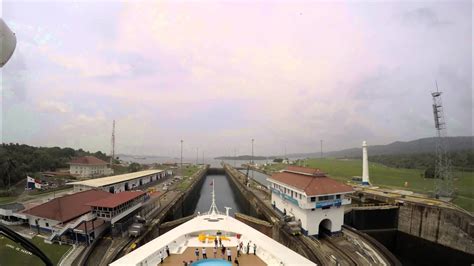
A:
210, 232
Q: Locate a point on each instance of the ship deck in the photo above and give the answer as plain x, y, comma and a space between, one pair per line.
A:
188, 255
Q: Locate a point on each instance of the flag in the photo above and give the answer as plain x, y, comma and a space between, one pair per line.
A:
30, 182
37, 183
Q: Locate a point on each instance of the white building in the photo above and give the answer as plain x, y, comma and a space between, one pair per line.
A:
311, 197
119, 183
89, 166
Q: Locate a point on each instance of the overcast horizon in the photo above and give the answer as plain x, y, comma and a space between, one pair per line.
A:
219, 74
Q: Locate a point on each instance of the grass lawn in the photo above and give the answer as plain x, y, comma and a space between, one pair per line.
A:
190, 170
5, 200
14, 254
385, 176
187, 172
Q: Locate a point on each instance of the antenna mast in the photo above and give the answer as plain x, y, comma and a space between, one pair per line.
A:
113, 145
443, 176
213, 209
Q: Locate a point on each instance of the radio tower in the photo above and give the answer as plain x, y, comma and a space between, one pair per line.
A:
113, 145
443, 176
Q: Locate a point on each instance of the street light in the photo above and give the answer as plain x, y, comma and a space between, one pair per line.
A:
181, 162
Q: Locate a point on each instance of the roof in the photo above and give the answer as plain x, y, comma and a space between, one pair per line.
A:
109, 180
90, 160
311, 185
67, 207
116, 199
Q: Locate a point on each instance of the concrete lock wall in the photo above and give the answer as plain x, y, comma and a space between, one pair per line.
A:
449, 227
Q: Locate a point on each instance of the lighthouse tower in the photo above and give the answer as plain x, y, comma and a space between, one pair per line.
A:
365, 165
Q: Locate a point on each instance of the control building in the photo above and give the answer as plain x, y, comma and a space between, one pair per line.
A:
311, 197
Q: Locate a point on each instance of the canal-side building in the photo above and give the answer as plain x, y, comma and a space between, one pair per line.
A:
311, 197
118, 205
82, 216
89, 166
119, 183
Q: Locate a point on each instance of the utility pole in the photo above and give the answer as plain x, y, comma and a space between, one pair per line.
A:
181, 161
235, 155
251, 160
112, 154
321, 149
197, 156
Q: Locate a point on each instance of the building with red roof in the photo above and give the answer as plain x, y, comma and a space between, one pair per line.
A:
118, 205
82, 216
89, 166
64, 209
311, 197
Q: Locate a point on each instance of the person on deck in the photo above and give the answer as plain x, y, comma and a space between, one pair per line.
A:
248, 248
254, 248
167, 251
161, 257
196, 252
223, 251
215, 251
204, 254
236, 261
238, 251
229, 255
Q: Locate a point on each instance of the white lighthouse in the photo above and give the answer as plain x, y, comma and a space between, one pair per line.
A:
365, 165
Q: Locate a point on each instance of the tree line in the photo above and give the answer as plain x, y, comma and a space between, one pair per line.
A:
460, 160
19, 160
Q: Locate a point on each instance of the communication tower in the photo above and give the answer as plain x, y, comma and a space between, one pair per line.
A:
443, 176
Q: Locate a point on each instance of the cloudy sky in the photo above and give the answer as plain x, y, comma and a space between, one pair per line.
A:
219, 74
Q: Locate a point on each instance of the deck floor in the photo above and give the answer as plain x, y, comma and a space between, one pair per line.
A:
188, 255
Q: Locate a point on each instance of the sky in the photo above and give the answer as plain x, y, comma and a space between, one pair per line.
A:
218, 74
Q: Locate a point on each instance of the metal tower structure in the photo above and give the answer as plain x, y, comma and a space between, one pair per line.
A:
443, 175
112, 153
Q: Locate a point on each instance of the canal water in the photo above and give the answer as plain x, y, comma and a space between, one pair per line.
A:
224, 195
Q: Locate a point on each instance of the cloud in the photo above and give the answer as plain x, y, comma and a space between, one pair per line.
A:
53, 106
424, 16
220, 74
91, 66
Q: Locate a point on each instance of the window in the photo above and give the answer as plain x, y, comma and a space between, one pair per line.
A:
325, 198
47, 224
313, 199
300, 196
338, 196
